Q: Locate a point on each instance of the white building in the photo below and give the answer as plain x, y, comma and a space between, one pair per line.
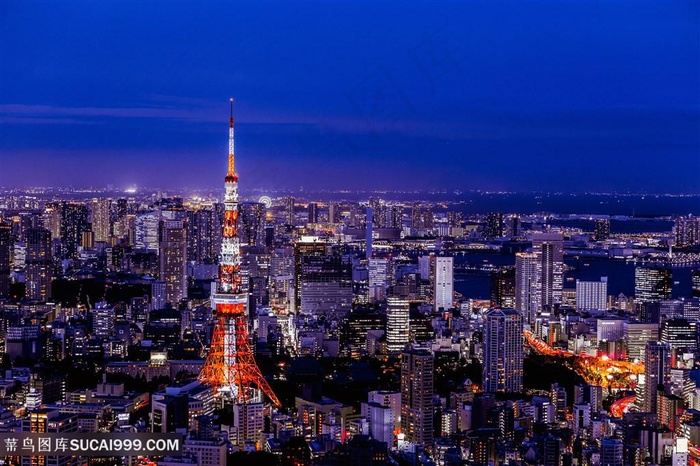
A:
397, 324
592, 296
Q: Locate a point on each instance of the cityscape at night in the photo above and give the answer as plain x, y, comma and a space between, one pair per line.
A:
348, 233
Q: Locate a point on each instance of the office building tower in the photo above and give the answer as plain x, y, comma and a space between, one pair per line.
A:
494, 228
74, 221
637, 334
657, 373
52, 218
333, 212
39, 265
442, 276
173, 260
6, 245
680, 334
591, 395
100, 212
417, 372
652, 284
397, 324
312, 211
503, 351
687, 231
289, 215
527, 297
323, 278
146, 228
514, 226
549, 248
369, 225
252, 223
592, 296
602, 230
503, 288
378, 281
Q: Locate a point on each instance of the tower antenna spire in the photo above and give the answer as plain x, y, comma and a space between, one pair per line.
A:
230, 367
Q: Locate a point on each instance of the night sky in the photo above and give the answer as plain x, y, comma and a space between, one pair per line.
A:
525, 95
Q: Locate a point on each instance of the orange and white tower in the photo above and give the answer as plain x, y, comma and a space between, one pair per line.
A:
230, 367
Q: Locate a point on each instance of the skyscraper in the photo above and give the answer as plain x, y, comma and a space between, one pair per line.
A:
173, 260
442, 275
494, 227
657, 372
289, 211
652, 284
503, 288
527, 297
74, 221
5, 247
252, 223
39, 268
687, 231
100, 210
549, 248
313, 212
417, 371
503, 351
397, 324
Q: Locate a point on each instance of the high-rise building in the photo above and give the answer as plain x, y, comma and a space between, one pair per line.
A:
74, 221
378, 278
657, 372
680, 334
687, 231
289, 214
146, 229
39, 268
313, 212
442, 277
417, 372
637, 334
252, 221
503, 288
397, 324
652, 284
592, 296
695, 282
333, 212
602, 230
323, 278
6, 244
503, 351
249, 422
100, 212
494, 227
549, 248
173, 259
527, 297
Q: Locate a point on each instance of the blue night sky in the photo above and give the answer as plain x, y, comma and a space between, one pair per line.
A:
525, 95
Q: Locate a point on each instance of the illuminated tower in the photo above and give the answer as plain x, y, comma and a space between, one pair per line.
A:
230, 367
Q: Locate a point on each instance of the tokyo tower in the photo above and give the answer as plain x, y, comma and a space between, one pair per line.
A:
230, 367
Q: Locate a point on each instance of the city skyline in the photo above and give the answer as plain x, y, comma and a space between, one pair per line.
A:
550, 96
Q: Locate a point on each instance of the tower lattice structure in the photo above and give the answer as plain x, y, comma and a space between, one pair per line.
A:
230, 367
